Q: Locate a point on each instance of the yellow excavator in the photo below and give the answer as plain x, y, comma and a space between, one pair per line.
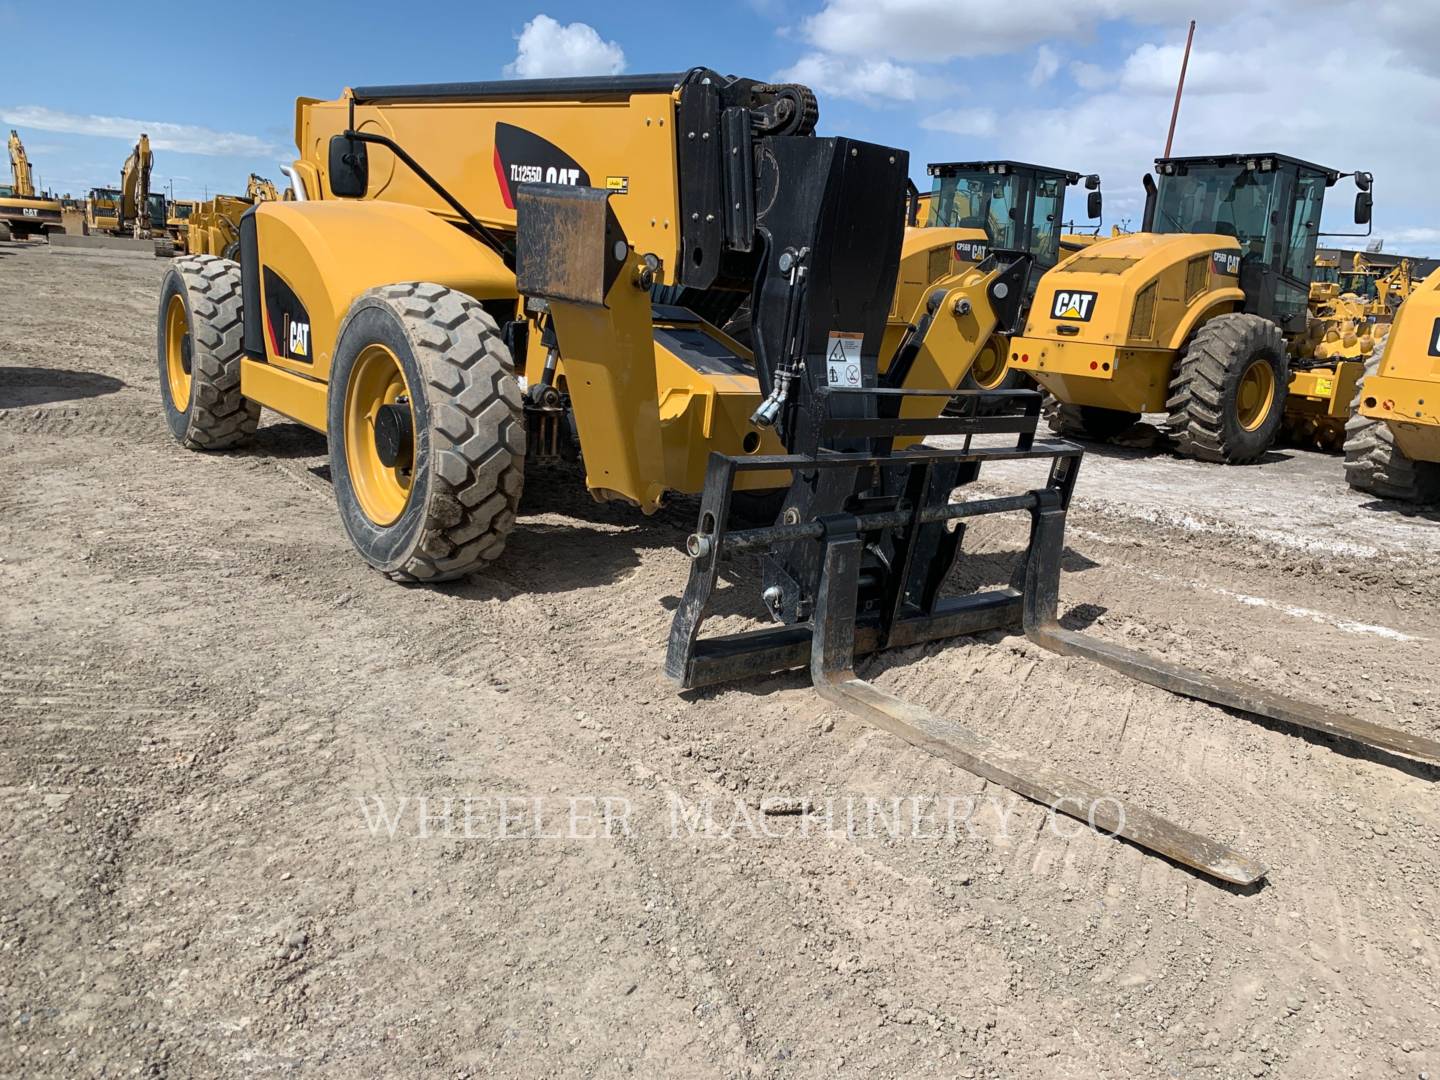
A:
453, 329
25, 212
1195, 316
1392, 442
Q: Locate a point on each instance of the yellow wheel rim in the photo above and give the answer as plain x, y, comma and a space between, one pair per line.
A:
375, 382
177, 353
1256, 395
989, 368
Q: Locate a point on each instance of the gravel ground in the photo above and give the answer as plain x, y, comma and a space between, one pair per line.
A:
227, 748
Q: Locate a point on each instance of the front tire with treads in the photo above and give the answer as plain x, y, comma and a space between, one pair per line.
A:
1373, 463
429, 490
198, 343
1227, 394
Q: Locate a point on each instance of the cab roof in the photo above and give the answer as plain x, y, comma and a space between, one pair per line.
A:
1258, 160
949, 168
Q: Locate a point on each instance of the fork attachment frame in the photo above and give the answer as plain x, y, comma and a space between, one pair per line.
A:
882, 560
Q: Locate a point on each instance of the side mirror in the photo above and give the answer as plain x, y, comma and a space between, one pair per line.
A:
349, 168
1363, 180
1092, 182
1363, 203
1092, 204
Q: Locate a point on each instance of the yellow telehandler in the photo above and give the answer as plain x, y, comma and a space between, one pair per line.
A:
1392, 442
476, 280
1195, 315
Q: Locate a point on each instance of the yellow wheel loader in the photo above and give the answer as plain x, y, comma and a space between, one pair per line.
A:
1002, 206
1392, 442
476, 280
25, 212
214, 225
1194, 316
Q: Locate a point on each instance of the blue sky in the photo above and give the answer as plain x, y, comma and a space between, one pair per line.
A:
1083, 85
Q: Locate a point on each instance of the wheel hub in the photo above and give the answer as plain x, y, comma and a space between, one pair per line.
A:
394, 433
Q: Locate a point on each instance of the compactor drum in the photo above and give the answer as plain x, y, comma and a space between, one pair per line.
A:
477, 280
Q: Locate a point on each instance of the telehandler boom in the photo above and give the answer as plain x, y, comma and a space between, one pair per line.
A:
476, 279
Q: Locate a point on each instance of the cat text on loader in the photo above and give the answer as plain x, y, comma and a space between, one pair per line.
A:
1392, 443
1194, 315
478, 279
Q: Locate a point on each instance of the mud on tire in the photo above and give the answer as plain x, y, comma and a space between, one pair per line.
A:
469, 432
213, 414
1373, 463
1203, 401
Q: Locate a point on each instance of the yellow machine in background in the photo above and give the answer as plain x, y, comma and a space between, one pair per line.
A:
102, 211
137, 204
25, 212
176, 238
1008, 207
1194, 315
1392, 442
214, 225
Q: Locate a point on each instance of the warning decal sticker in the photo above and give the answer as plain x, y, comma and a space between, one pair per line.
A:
842, 359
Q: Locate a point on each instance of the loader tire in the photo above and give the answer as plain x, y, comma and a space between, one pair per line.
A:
1227, 395
429, 492
1374, 464
1086, 421
990, 373
5, 233
198, 348
232, 251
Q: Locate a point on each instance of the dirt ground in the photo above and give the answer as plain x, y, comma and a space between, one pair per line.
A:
211, 709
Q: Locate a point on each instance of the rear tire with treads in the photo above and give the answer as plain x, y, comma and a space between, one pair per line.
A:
1220, 410
466, 455
1373, 463
198, 345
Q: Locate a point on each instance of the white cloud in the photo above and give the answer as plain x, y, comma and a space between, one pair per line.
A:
1246, 100
549, 49
943, 29
975, 122
182, 138
1047, 66
859, 79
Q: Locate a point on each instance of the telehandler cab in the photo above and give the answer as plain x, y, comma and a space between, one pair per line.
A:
475, 279
1195, 316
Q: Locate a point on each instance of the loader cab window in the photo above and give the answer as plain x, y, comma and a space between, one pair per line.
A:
1231, 200
977, 200
1045, 223
1019, 210
1305, 209
181, 210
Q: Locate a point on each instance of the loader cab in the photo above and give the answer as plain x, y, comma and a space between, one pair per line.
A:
1020, 207
1270, 204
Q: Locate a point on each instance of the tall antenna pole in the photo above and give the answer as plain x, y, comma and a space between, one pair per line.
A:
1180, 88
